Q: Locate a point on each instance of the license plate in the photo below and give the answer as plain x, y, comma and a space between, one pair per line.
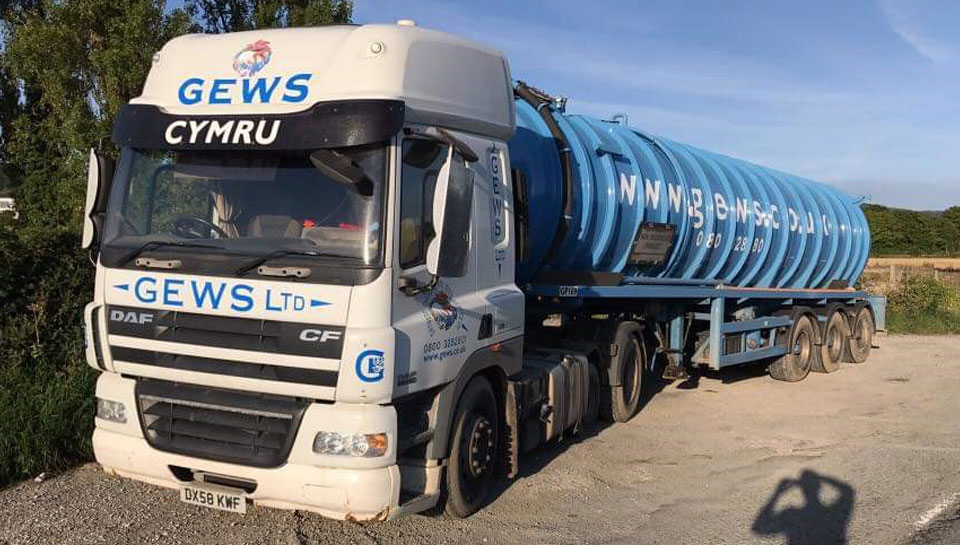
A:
214, 497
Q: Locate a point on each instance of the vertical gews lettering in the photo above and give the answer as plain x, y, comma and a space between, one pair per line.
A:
497, 226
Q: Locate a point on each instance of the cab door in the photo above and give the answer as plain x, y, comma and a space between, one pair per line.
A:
436, 329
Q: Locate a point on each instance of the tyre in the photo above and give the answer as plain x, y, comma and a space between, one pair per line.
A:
474, 453
795, 365
860, 340
834, 335
621, 397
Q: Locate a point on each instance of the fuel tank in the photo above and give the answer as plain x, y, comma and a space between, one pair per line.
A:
598, 195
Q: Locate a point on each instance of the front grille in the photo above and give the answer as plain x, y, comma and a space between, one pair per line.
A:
216, 424
274, 351
268, 336
297, 375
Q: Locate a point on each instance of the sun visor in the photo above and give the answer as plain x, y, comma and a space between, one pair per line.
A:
324, 125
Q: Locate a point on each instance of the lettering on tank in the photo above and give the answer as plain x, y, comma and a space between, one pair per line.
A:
657, 194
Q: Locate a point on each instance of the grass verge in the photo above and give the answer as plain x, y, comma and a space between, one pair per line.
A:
932, 322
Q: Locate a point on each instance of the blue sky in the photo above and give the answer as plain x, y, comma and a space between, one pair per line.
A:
864, 95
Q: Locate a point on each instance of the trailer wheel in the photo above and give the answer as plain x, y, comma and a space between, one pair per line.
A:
860, 342
833, 337
795, 365
475, 449
619, 403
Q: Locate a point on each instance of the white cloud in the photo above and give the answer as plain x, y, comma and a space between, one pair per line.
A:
909, 29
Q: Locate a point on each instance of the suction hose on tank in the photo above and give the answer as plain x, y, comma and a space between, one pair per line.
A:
543, 104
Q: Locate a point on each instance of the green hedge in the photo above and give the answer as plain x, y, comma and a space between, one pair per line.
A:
46, 399
924, 305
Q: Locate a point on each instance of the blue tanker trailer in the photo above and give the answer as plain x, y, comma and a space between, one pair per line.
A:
728, 262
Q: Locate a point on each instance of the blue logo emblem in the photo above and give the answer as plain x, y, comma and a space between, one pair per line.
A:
370, 366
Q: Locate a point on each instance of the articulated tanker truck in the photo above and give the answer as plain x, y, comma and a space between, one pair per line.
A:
359, 270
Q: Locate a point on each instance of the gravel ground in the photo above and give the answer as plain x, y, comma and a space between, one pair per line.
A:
870, 454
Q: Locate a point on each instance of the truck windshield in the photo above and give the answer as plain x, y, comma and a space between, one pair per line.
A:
250, 203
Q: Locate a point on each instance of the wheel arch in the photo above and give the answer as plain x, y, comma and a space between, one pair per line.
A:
827, 310
494, 364
801, 311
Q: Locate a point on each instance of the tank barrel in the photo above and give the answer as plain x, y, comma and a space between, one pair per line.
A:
602, 196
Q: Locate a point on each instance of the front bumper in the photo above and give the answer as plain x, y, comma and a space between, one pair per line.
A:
335, 487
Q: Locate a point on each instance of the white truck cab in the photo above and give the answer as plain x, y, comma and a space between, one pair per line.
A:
303, 247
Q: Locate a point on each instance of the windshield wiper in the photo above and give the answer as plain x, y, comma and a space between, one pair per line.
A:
253, 264
160, 243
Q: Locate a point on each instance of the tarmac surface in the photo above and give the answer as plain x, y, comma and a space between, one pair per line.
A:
869, 454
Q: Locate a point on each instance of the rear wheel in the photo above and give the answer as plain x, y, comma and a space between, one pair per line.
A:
861, 336
620, 401
795, 365
474, 452
834, 337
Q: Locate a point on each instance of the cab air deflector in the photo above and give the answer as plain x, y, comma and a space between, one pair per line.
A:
324, 125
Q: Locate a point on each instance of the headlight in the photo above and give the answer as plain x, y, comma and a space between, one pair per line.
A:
114, 411
360, 445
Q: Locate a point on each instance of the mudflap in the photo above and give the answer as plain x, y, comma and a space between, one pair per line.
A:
511, 434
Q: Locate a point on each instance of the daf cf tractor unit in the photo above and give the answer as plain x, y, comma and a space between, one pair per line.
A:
360, 270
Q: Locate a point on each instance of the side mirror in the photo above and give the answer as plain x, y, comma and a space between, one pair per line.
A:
99, 178
449, 252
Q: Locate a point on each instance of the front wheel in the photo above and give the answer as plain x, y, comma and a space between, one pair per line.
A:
619, 403
474, 453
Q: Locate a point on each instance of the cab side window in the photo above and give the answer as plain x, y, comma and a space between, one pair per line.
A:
421, 162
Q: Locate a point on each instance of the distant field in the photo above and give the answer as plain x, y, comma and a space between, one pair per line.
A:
941, 263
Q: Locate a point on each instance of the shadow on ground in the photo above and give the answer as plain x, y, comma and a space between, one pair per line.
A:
821, 519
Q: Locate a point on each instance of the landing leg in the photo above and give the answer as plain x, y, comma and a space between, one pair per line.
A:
675, 369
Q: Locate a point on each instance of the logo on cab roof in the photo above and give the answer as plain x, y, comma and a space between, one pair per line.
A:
253, 58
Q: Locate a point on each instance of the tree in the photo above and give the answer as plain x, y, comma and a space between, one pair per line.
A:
81, 59
235, 15
896, 231
952, 215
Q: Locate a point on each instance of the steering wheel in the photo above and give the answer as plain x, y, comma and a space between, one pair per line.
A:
187, 226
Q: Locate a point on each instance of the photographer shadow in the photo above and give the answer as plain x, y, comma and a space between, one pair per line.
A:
816, 522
